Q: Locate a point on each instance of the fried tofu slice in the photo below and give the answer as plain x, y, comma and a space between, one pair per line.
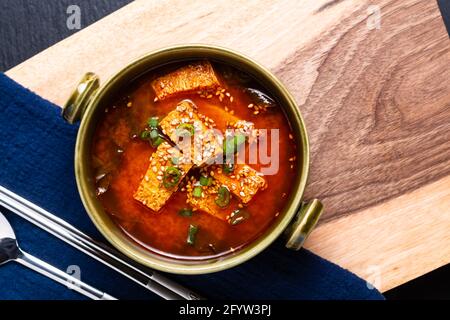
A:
151, 191
207, 203
244, 182
205, 145
199, 76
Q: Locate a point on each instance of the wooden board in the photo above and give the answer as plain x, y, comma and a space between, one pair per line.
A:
376, 103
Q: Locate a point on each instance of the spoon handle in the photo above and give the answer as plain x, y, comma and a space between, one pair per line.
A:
145, 277
61, 277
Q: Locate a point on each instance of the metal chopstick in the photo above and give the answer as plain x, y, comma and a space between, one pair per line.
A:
45, 220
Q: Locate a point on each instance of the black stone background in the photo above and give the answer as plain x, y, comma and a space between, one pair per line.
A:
30, 26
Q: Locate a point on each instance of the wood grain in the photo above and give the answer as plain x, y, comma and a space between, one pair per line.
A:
376, 104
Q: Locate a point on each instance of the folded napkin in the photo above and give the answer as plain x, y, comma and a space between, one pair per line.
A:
36, 162
444, 6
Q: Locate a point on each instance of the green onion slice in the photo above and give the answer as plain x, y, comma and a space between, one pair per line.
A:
192, 232
185, 212
145, 135
154, 134
223, 197
156, 142
185, 130
197, 192
171, 177
228, 168
205, 181
233, 144
153, 122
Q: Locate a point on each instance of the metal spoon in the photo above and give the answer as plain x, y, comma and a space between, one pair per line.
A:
147, 278
10, 251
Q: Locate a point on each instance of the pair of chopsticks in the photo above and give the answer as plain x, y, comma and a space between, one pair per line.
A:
149, 279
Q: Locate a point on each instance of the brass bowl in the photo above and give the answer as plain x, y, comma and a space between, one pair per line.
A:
89, 100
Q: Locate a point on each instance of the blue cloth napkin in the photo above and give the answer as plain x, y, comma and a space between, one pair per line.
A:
36, 161
444, 6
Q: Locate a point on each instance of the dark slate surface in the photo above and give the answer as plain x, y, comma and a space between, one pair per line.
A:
30, 26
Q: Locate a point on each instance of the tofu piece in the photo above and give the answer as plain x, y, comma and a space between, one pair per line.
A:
199, 76
207, 203
151, 191
205, 146
244, 182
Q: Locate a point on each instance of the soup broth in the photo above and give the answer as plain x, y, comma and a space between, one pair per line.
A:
122, 155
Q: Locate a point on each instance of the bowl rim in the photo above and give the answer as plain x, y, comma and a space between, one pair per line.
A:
123, 243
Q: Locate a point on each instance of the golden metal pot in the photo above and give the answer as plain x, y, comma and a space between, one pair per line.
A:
88, 102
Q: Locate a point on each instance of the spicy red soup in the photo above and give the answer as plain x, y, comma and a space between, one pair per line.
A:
192, 205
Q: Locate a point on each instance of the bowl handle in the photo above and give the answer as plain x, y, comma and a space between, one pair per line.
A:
303, 223
74, 108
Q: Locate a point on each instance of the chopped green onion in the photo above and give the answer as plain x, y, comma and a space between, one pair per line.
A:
197, 192
239, 139
175, 160
154, 134
153, 122
238, 216
193, 229
233, 144
185, 212
185, 129
171, 177
145, 135
205, 181
228, 168
223, 198
156, 142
